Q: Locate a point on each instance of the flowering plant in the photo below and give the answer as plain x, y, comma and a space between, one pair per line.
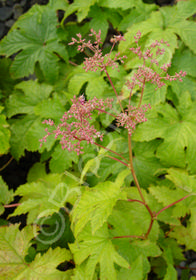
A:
75, 124
110, 192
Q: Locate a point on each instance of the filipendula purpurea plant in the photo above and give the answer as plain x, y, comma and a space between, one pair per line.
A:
104, 225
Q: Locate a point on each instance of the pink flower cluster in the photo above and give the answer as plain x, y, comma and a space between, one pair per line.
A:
75, 126
98, 61
145, 73
130, 118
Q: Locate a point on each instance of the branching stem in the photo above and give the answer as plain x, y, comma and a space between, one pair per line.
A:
109, 150
170, 205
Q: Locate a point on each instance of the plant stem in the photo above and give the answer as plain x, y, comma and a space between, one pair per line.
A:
116, 159
129, 236
133, 171
111, 151
100, 110
12, 205
170, 205
114, 90
136, 200
6, 164
150, 227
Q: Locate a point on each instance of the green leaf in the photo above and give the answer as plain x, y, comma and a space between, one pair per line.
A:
177, 127
184, 237
13, 248
131, 218
4, 134
188, 84
184, 60
37, 171
98, 248
137, 252
164, 25
62, 159
81, 8
26, 96
145, 163
171, 273
99, 20
6, 195
193, 222
26, 133
136, 271
140, 13
182, 179
36, 40
122, 4
95, 87
96, 204
46, 196
166, 195
58, 4
154, 96
6, 81
33, 99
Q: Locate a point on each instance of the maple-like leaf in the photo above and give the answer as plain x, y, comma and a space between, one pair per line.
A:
97, 249
145, 163
26, 96
34, 39
81, 8
137, 253
95, 87
13, 249
164, 25
183, 236
140, 12
177, 127
46, 196
96, 204
32, 102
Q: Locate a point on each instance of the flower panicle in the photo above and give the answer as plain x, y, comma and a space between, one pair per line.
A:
74, 125
98, 61
131, 117
146, 73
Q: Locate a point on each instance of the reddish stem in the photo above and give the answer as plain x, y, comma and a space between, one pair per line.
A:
116, 159
111, 151
136, 200
12, 205
73, 63
151, 214
150, 227
170, 205
105, 112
